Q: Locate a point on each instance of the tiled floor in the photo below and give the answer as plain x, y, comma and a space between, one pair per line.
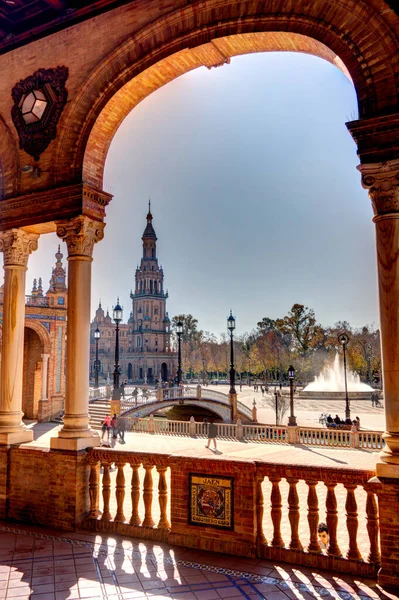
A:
45, 565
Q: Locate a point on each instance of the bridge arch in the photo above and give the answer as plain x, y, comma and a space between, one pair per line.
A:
209, 33
145, 410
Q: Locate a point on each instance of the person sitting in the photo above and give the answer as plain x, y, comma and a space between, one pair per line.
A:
329, 420
358, 422
324, 537
348, 421
337, 420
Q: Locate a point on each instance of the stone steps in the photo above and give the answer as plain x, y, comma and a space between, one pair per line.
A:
98, 411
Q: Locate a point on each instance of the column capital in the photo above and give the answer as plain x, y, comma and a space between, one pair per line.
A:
382, 182
80, 235
16, 245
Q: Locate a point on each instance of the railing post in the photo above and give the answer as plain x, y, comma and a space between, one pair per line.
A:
151, 425
293, 514
147, 496
332, 520
239, 430
163, 498
260, 536
372, 526
313, 517
106, 516
120, 493
275, 499
354, 439
199, 392
160, 394
192, 427
135, 518
94, 491
352, 521
293, 435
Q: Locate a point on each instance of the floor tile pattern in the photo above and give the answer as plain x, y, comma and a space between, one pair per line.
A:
84, 566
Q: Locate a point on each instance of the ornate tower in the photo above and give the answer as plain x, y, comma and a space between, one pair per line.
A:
150, 324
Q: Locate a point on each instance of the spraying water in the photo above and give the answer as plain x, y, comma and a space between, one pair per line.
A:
332, 379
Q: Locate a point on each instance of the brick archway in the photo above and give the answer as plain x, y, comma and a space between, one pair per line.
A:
9, 163
42, 333
209, 33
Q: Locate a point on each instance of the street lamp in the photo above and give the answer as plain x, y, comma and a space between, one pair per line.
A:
117, 314
291, 377
231, 325
96, 365
179, 331
343, 340
203, 371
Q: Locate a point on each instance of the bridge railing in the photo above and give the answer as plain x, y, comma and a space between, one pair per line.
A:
265, 433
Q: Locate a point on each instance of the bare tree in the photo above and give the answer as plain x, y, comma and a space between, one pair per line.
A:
280, 404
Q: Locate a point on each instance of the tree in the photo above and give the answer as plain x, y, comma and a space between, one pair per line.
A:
301, 324
282, 402
190, 327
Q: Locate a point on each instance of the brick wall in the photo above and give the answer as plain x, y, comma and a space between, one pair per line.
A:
53, 490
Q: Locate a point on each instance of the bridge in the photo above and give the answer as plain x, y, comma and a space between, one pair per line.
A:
147, 402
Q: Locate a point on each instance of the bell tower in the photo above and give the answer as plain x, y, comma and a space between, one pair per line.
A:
150, 333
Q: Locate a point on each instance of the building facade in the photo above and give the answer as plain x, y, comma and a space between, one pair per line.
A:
145, 352
43, 386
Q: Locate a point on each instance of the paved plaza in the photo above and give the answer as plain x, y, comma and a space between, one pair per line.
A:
41, 564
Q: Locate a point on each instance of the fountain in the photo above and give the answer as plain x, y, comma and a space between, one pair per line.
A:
330, 385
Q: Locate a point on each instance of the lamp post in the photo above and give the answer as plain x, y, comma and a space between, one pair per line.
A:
179, 331
117, 314
291, 377
231, 325
203, 371
343, 340
96, 365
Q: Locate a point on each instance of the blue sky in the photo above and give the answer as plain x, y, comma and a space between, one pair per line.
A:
256, 199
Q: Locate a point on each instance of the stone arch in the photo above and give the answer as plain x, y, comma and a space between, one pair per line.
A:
42, 332
219, 409
209, 33
32, 373
9, 163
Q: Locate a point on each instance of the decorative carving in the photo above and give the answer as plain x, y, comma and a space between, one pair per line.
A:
17, 244
80, 235
382, 182
38, 103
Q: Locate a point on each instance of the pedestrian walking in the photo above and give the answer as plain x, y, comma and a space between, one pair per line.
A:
212, 433
105, 427
122, 387
114, 425
121, 429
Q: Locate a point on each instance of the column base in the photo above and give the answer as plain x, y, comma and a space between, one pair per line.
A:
292, 422
75, 444
21, 436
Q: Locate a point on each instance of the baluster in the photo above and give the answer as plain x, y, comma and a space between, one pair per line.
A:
332, 520
163, 498
94, 491
372, 526
106, 516
352, 522
147, 495
260, 536
293, 514
313, 517
135, 518
120, 493
275, 498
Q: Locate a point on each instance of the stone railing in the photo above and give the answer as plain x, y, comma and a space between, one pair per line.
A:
276, 508
309, 436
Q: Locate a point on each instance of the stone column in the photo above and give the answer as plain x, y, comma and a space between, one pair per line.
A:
45, 358
80, 235
16, 245
382, 182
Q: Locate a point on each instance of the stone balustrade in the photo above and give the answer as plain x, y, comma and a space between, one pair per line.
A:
310, 436
277, 508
